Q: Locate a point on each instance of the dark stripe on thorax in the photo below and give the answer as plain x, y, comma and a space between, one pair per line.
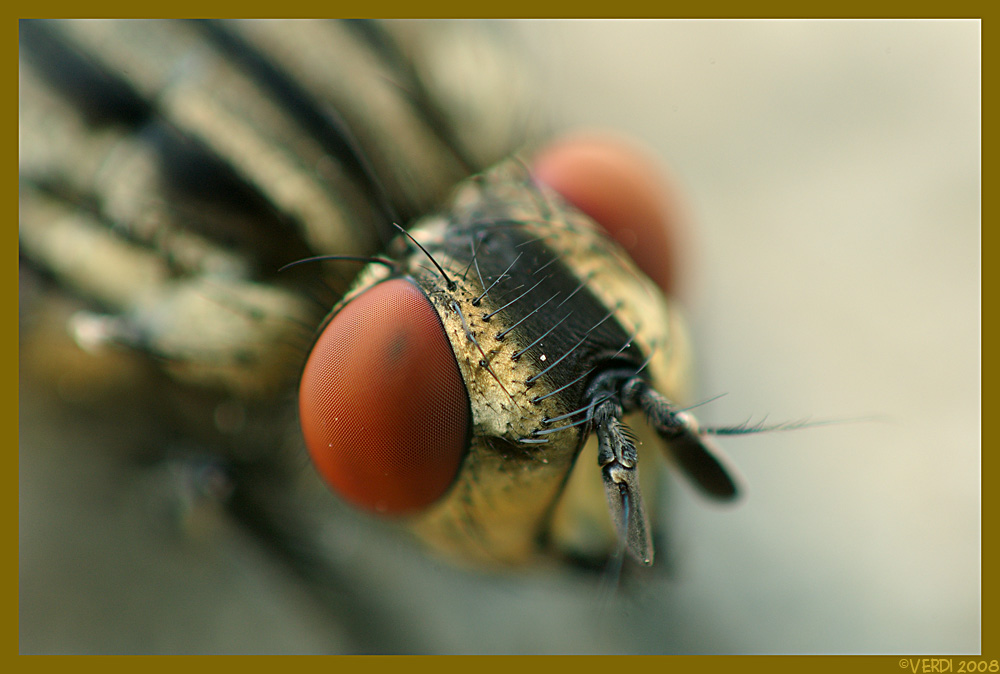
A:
539, 291
323, 123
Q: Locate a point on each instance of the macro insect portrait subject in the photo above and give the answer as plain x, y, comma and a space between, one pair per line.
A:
333, 317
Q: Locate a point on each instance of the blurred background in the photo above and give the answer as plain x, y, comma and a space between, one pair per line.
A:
832, 174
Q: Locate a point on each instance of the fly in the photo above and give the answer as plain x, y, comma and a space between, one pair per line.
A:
196, 160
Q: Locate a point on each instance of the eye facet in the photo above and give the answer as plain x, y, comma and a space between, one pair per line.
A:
383, 406
623, 190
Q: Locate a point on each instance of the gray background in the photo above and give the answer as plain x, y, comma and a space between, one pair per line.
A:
832, 171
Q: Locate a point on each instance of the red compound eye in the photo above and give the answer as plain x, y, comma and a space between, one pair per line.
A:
382, 404
624, 190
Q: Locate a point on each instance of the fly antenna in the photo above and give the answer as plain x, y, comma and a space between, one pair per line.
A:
703, 402
746, 428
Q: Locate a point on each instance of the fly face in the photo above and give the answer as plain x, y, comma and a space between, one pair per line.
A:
490, 351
